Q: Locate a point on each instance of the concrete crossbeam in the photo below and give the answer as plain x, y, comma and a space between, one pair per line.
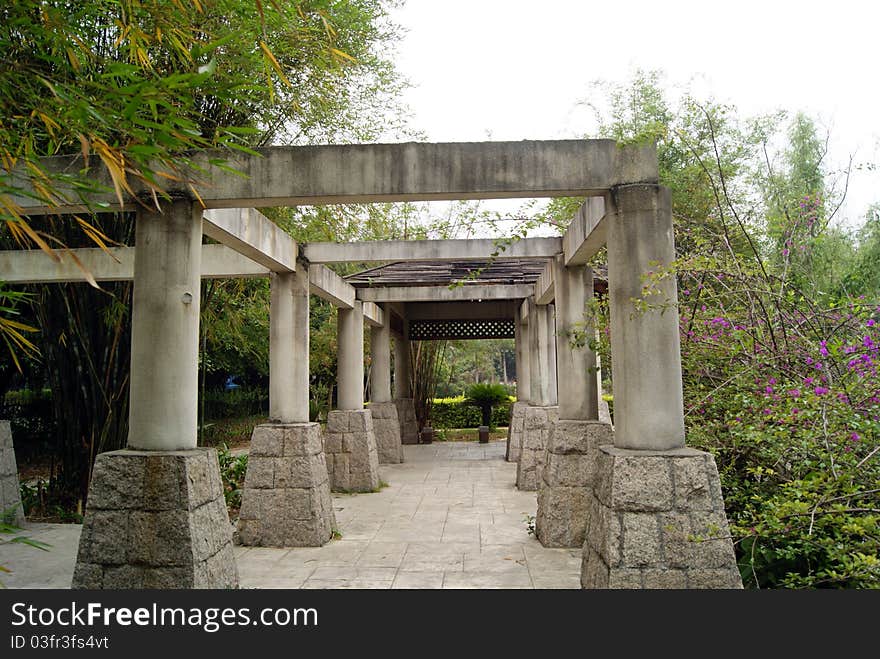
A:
545, 290
524, 310
586, 234
489, 310
374, 316
359, 173
444, 293
251, 233
430, 250
34, 266
329, 286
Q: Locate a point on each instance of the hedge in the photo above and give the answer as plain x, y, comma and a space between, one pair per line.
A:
455, 413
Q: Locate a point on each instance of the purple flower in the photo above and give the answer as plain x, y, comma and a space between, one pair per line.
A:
854, 437
808, 381
820, 391
823, 348
870, 322
795, 393
768, 389
785, 252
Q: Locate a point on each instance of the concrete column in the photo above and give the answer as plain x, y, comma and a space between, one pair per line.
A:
402, 387
521, 339
550, 346
300, 365
350, 358
165, 328
282, 396
380, 372
578, 397
645, 353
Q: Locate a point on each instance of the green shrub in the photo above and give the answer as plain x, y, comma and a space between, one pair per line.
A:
245, 401
455, 412
232, 472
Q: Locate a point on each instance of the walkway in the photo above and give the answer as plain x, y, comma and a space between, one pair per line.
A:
449, 518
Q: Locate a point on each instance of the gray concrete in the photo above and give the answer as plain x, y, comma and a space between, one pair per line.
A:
350, 450
431, 250
300, 365
252, 234
406, 416
522, 346
163, 414
515, 430
586, 234
450, 518
361, 173
329, 286
467, 292
576, 364
285, 501
402, 385
350, 358
488, 310
380, 364
542, 353
387, 430
34, 266
655, 519
10, 493
156, 519
645, 354
282, 350
545, 285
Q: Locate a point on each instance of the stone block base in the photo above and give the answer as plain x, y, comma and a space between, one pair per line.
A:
350, 447
515, 430
538, 421
10, 494
567, 480
386, 428
406, 416
156, 519
286, 497
656, 520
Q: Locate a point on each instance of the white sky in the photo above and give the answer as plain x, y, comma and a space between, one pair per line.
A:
513, 69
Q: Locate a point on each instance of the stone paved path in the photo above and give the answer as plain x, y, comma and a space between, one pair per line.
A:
449, 518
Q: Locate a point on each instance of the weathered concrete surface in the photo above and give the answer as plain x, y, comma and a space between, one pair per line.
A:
251, 233
487, 310
655, 519
156, 519
444, 293
402, 385
645, 353
163, 414
430, 250
350, 358
339, 174
386, 428
329, 286
380, 364
406, 416
538, 421
516, 430
350, 449
10, 493
282, 349
586, 234
576, 362
542, 352
568, 476
286, 497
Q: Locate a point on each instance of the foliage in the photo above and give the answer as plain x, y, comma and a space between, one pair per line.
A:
486, 396
455, 412
778, 354
232, 473
426, 357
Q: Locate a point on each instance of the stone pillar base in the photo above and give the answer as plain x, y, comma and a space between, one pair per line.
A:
10, 493
567, 480
286, 497
350, 447
656, 520
515, 430
406, 416
538, 421
386, 427
156, 519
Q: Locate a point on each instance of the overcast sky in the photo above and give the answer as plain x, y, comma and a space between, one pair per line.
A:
513, 69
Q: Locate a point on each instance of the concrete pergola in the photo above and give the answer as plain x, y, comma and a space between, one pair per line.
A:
631, 497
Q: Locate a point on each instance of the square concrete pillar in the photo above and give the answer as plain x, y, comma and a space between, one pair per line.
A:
523, 388
156, 515
350, 358
406, 411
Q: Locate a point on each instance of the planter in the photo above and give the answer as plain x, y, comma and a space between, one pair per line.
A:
427, 435
483, 432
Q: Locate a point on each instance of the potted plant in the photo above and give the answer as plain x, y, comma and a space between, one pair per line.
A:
486, 396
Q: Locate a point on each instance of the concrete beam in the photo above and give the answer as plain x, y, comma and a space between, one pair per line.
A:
545, 290
586, 234
359, 173
524, 310
444, 293
251, 233
373, 315
34, 266
430, 250
489, 310
329, 286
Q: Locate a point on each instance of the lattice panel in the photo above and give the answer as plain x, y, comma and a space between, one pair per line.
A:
429, 330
